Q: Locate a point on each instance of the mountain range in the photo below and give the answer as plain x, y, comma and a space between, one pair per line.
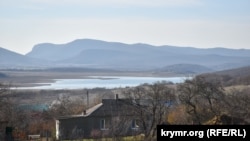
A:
91, 53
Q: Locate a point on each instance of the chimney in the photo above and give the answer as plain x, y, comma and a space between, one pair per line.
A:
84, 112
116, 96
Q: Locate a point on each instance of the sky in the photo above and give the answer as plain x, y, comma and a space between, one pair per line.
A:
184, 23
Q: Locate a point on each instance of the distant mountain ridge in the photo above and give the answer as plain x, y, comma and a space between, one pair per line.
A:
57, 52
102, 54
91, 53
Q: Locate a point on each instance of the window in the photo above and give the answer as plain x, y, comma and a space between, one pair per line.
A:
103, 124
134, 124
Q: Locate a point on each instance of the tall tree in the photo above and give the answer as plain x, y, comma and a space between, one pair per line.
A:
202, 98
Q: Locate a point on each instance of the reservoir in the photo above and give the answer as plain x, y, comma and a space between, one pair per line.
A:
105, 82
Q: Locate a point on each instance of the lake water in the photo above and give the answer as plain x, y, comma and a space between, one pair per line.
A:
106, 82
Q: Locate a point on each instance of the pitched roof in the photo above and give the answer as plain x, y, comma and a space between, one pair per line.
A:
88, 112
110, 107
114, 107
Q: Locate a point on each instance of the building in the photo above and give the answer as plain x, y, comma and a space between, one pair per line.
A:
111, 118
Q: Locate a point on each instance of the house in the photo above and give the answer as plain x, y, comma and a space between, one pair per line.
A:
111, 118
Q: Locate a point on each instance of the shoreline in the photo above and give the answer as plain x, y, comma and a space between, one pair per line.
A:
42, 78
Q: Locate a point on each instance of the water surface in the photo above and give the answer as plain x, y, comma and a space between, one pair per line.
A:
106, 82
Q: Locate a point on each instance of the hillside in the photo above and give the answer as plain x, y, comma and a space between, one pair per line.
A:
10, 59
238, 72
238, 76
185, 69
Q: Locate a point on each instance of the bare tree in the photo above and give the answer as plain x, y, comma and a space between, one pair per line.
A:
66, 106
6, 106
151, 103
9, 112
238, 104
119, 125
202, 98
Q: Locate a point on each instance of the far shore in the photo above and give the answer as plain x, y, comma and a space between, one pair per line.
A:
41, 78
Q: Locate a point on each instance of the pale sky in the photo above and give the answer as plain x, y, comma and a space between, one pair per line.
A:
193, 23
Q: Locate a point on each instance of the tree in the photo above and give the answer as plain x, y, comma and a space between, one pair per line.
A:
65, 106
238, 104
151, 103
9, 112
7, 108
203, 98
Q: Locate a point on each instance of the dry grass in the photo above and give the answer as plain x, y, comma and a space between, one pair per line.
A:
236, 87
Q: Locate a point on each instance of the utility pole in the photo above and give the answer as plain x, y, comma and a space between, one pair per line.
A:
87, 99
